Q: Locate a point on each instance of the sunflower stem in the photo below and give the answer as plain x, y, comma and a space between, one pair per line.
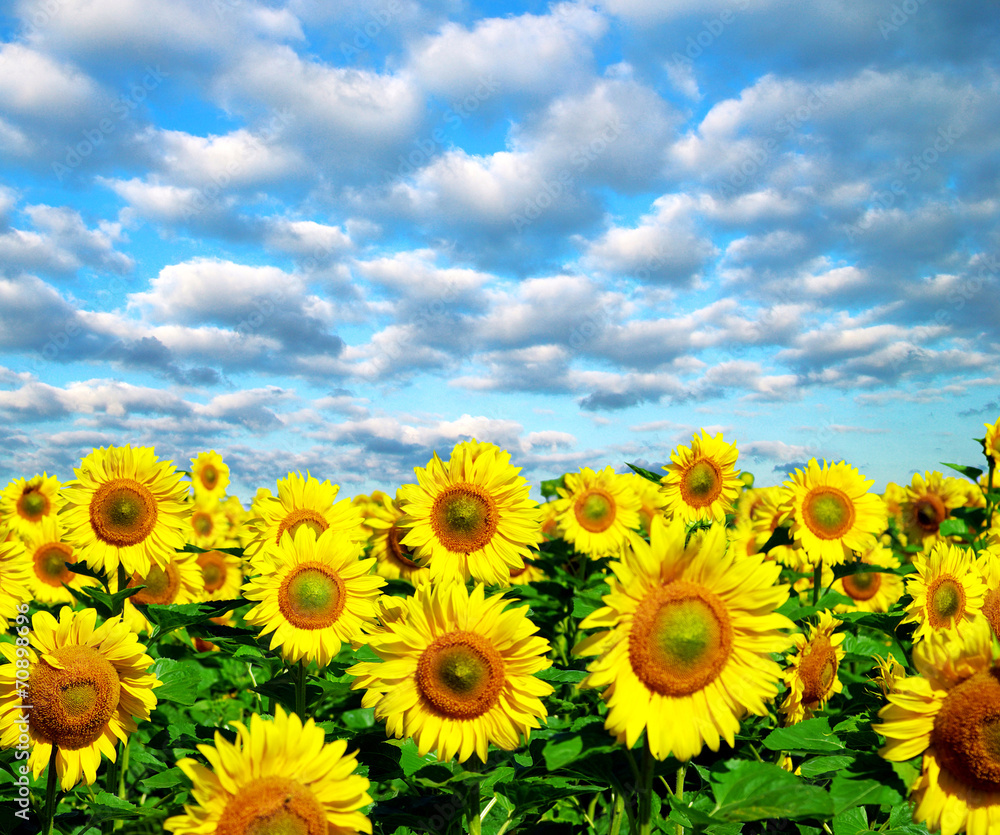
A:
679, 792
301, 681
50, 792
472, 818
122, 582
646, 791
616, 814
817, 581
111, 786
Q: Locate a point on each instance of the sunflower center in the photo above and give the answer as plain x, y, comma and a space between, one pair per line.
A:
681, 638
966, 733
302, 517
464, 517
828, 512
72, 702
991, 609
122, 512
50, 563
209, 476
595, 510
701, 483
817, 670
213, 570
202, 523
311, 596
396, 549
929, 512
273, 806
945, 601
32, 505
161, 585
461, 675
862, 586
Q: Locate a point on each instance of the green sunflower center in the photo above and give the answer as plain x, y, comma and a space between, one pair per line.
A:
202, 523
50, 563
701, 483
461, 675
595, 510
122, 512
828, 512
945, 601
817, 670
32, 505
966, 734
213, 570
864, 585
273, 806
681, 638
312, 596
464, 517
72, 704
209, 476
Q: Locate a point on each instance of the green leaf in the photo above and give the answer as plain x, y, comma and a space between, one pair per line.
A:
410, 761
179, 615
781, 536
824, 765
550, 487
180, 681
812, 735
851, 822
968, 472
565, 748
560, 675
644, 472
106, 604
85, 570
847, 792
362, 717
954, 527
756, 791
107, 807
165, 779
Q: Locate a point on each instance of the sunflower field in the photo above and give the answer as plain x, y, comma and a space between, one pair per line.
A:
675, 651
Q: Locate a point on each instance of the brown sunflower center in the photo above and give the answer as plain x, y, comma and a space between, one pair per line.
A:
966, 735
396, 549
273, 806
122, 512
681, 638
162, 585
312, 596
595, 510
945, 601
991, 610
72, 702
929, 512
50, 563
828, 512
464, 517
862, 586
701, 483
213, 570
209, 476
817, 670
302, 516
461, 675
32, 505
202, 523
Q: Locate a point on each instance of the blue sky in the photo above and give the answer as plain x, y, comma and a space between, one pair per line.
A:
336, 239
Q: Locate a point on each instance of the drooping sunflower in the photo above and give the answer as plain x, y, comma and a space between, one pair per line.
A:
470, 517
49, 554
811, 676
949, 714
125, 507
871, 591
15, 579
394, 559
280, 776
597, 511
701, 484
929, 500
85, 684
457, 672
209, 476
302, 501
832, 511
947, 591
317, 594
25, 502
178, 581
686, 641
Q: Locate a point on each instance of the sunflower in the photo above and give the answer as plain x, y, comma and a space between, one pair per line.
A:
457, 672
894, 497
125, 508
237, 531
208, 526
688, 633
317, 595
947, 590
470, 517
394, 559
988, 563
597, 511
991, 443
209, 476
701, 484
15, 579
550, 523
302, 502
832, 511
221, 576
811, 676
530, 573
85, 684
949, 714
50, 556
179, 581
872, 591
652, 501
280, 776
24, 503
928, 501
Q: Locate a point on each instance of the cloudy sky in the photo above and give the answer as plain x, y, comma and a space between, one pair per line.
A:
336, 239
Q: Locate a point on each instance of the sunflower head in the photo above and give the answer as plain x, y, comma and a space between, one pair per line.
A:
811, 676
26, 503
947, 589
701, 483
597, 511
209, 476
